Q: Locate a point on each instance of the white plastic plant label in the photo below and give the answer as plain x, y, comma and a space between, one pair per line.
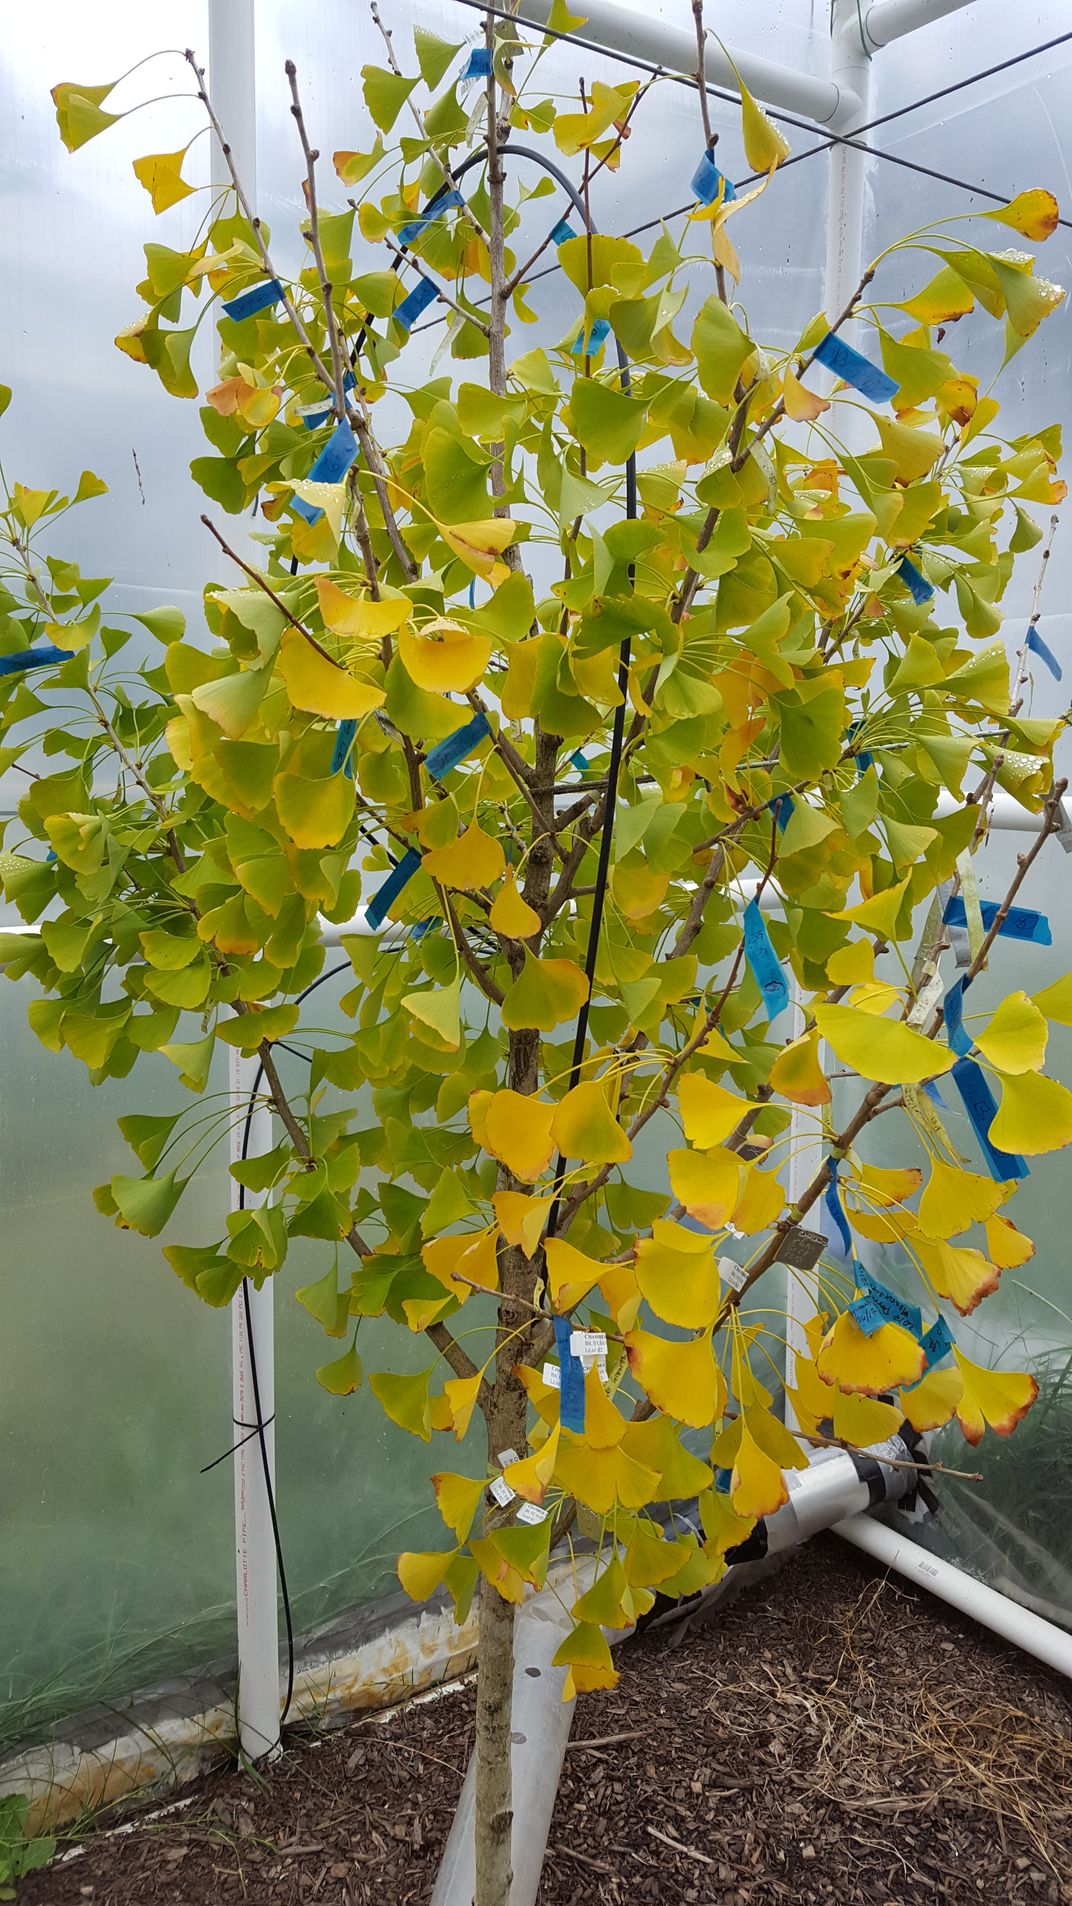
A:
501, 1491
552, 1376
588, 1344
732, 1274
531, 1512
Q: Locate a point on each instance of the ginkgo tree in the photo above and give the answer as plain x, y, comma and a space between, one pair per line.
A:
620, 694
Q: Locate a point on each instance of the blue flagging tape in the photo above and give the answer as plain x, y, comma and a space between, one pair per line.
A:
39, 657
571, 1392
423, 294
781, 806
863, 759
248, 303
706, 180
472, 594
866, 1314
562, 231
479, 66
915, 582
313, 415
445, 202
343, 753
894, 1309
595, 340
376, 911
723, 1481
937, 1343
981, 1107
953, 1013
764, 962
447, 753
330, 467
579, 761
422, 927
1045, 654
832, 1201
1020, 923
855, 369
931, 1089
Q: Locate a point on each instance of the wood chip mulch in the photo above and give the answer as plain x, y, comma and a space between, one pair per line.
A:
832, 1737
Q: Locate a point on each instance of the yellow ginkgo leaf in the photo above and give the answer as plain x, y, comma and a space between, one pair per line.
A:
161, 175
932, 1402
757, 1485
801, 404
1034, 214
851, 964
650, 1558
681, 1379
1035, 1115
760, 1202
462, 1260
520, 1218
881, 1049
359, 617
708, 1184
443, 657
510, 914
954, 1199
314, 812
994, 1399
797, 1074
1056, 1001
886, 1184
601, 1477
479, 545
421, 1574
1015, 1040
461, 1394
852, 1360
586, 1655
530, 1476
1007, 1247
545, 994
585, 1127
438, 1008
517, 1130
678, 1277
544, 1397
318, 686
957, 1272
604, 1424
764, 146
458, 1499
470, 862
571, 1273
708, 1112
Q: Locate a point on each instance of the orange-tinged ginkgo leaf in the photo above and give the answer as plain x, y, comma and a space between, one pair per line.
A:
889, 1185
757, 1485
586, 1655
471, 861
545, 994
1006, 1246
852, 1360
359, 617
677, 1276
585, 1127
517, 1130
931, 1403
681, 1379
1035, 1115
954, 1199
320, 688
708, 1184
530, 1476
443, 657
1035, 214
993, 1399
458, 1499
461, 1394
520, 1218
510, 914
571, 1274
957, 1272
797, 1074
801, 404
620, 1292
708, 1112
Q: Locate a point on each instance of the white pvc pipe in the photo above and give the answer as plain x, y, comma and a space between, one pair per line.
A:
624, 29
995, 1611
847, 167
888, 20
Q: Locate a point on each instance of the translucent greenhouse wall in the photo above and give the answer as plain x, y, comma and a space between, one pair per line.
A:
116, 1559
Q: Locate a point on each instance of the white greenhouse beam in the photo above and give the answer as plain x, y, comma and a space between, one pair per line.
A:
625, 30
887, 20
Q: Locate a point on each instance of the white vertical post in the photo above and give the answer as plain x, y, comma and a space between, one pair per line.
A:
805, 1158
232, 83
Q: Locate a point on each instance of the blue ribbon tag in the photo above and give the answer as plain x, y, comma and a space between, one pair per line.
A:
313, 415
597, 337
937, 1343
706, 180
894, 1309
763, 961
330, 467
1045, 654
423, 294
931, 1089
723, 1481
863, 759
952, 1010
981, 1107
866, 1314
571, 1392
1020, 923
39, 657
579, 761
853, 368
445, 202
422, 927
376, 911
832, 1201
562, 231
447, 753
248, 303
917, 585
479, 66
343, 755
781, 806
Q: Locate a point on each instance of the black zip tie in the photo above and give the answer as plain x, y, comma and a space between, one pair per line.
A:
254, 1430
